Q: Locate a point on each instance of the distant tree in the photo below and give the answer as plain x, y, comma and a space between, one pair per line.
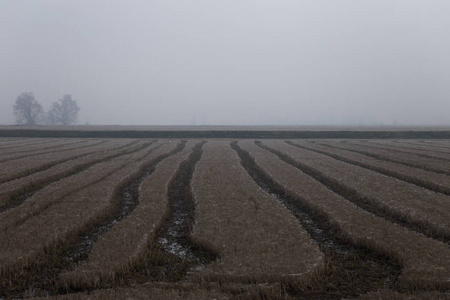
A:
63, 112
27, 110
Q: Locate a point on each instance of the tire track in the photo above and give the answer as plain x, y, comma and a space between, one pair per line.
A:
174, 234
360, 200
374, 145
128, 200
349, 267
43, 273
387, 158
55, 149
20, 194
401, 176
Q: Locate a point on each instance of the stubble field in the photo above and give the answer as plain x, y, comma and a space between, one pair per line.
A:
224, 218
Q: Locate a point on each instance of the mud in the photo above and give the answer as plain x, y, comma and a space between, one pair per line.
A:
351, 270
174, 235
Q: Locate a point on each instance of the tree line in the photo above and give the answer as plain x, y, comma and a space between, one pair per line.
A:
28, 111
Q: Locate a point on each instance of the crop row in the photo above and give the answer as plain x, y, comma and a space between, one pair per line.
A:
63, 209
408, 159
58, 146
16, 191
429, 152
99, 216
430, 180
425, 261
20, 167
255, 236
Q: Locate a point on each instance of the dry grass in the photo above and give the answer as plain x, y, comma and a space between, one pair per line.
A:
428, 152
409, 202
60, 190
41, 148
431, 180
10, 191
151, 291
388, 295
426, 262
16, 168
124, 245
67, 218
256, 238
411, 160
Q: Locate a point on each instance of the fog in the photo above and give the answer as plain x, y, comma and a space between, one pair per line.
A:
233, 62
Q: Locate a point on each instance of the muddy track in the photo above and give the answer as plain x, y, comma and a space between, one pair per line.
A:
360, 200
386, 158
42, 150
351, 270
128, 200
24, 143
53, 151
403, 150
410, 179
54, 163
420, 146
25, 217
174, 234
30, 189
43, 274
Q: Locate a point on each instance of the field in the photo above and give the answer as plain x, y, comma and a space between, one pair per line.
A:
225, 218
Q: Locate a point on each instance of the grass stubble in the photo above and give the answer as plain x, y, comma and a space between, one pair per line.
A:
33, 249
424, 261
398, 201
155, 273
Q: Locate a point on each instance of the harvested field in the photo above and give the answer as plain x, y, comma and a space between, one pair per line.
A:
90, 218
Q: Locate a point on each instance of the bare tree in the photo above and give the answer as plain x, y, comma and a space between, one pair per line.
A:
27, 110
63, 112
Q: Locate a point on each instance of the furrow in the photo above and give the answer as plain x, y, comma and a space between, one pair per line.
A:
124, 249
349, 267
256, 238
174, 234
57, 192
16, 169
64, 146
15, 192
425, 262
39, 244
384, 197
429, 180
427, 153
406, 160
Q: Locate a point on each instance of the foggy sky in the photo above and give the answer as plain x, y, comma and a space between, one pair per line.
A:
230, 62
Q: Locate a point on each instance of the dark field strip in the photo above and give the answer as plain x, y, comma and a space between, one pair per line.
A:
233, 134
373, 153
401, 176
43, 274
421, 146
23, 142
360, 200
51, 164
174, 234
351, 270
40, 148
409, 150
24, 192
128, 200
37, 153
36, 210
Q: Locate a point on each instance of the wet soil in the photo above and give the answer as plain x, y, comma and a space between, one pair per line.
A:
174, 235
31, 189
351, 270
361, 200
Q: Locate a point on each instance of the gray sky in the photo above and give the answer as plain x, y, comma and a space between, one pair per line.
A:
230, 62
